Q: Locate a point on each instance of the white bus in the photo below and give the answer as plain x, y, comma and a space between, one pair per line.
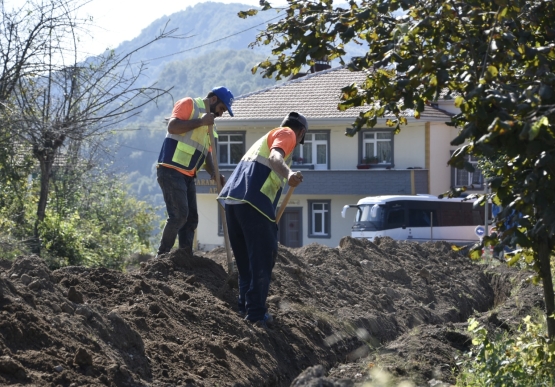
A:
417, 218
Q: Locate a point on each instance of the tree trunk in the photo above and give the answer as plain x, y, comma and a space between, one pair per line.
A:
545, 270
45, 171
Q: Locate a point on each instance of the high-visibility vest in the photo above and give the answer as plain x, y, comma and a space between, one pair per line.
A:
254, 182
186, 152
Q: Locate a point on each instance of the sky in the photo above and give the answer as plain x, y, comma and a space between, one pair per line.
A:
115, 21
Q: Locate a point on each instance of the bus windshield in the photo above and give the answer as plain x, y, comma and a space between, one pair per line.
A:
369, 217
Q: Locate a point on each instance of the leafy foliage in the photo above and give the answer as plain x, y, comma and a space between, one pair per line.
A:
524, 359
94, 241
59, 106
90, 218
495, 59
15, 204
94, 223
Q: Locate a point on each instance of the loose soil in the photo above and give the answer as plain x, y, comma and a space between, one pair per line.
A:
339, 314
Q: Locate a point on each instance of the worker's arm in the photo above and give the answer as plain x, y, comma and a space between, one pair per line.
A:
209, 167
177, 126
278, 165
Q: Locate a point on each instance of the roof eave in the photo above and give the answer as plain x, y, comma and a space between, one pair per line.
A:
312, 121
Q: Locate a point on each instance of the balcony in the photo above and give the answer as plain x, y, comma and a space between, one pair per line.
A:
368, 182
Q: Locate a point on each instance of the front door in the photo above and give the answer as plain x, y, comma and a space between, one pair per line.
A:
290, 227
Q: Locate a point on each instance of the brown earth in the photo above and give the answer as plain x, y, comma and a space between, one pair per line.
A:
340, 313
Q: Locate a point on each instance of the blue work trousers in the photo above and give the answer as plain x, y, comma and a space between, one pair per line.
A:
180, 195
253, 238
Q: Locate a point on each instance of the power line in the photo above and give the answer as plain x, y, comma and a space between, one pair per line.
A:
137, 129
206, 44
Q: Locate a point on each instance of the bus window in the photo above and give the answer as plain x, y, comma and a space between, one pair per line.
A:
422, 218
374, 211
477, 217
364, 213
395, 218
369, 218
369, 213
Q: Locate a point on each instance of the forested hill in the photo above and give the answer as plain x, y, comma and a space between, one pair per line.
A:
202, 29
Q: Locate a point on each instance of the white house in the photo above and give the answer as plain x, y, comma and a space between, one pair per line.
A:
411, 162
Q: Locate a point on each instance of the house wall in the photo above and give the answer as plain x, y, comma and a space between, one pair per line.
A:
343, 149
440, 173
339, 227
409, 147
416, 146
207, 237
207, 232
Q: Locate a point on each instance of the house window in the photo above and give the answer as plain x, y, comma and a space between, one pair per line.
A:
314, 151
231, 147
377, 147
319, 219
464, 178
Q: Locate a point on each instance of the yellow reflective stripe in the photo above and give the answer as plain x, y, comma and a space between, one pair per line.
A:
259, 159
198, 108
247, 202
184, 139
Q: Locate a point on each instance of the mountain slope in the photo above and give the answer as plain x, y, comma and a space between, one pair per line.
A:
204, 28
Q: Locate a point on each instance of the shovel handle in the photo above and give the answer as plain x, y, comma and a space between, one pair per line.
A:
230, 265
285, 201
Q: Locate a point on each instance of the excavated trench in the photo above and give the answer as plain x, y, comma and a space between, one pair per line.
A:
174, 321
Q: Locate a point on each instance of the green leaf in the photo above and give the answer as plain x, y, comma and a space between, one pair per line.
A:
492, 71
513, 258
536, 127
245, 14
475, 255
473, 324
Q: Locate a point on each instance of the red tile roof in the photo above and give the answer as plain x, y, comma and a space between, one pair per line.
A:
315, 95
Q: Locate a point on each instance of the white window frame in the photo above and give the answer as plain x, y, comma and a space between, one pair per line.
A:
470, 176
310, 140
375, 142
228, 145
325, 219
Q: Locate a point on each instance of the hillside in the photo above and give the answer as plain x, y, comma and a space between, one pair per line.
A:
339, 312
203, 29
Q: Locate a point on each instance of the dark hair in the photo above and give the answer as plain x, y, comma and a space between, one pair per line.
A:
293, 124
212, 94
295, 121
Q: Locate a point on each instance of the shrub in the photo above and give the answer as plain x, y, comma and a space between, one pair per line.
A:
103, 231
525, 358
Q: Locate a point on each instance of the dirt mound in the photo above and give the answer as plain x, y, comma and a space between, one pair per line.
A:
174, 321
